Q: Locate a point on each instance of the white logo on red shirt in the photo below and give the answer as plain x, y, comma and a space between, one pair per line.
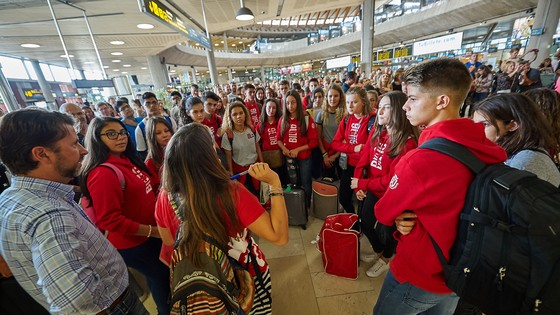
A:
143, 178
353, 136
378, 156
272, 136
394, 182
293, 133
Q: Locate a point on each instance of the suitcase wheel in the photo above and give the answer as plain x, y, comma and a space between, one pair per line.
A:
303, 226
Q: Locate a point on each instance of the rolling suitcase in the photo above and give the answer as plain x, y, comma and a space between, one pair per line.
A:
325, 197
295, 203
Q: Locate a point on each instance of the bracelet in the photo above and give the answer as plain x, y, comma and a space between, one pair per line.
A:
150, 232
276, 189
275, 194
325, 154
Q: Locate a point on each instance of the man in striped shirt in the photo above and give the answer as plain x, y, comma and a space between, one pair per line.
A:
54, 252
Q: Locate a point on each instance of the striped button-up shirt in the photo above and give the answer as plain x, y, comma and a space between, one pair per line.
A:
55, 253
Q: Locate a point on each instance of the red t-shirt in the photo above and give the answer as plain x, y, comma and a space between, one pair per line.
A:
349, 135
155, 176
269, 136
248, 210
254, 111
379, 164
121, 212
214, 123
292, 137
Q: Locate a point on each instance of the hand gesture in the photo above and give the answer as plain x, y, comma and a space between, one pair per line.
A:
354, 183
405, 222
360, 195
263, 173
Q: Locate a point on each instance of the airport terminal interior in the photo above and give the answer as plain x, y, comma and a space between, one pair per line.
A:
60, 51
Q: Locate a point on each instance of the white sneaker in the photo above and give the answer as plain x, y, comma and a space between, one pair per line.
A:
368, 258
377, 269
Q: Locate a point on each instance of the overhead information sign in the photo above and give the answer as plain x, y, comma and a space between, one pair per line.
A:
403, 51
338, 62
162, 13
442, 43
385, 54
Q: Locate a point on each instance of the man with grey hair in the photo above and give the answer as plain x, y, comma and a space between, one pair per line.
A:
75, 111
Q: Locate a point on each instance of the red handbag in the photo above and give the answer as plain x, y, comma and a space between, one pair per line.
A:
339, 246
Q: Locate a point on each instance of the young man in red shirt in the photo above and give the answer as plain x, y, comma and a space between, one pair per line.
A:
251, 103
429, 188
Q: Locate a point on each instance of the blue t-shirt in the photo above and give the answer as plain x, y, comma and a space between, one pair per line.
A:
132, 129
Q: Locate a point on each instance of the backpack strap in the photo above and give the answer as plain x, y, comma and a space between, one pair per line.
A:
118, 172
456, 151
370, 124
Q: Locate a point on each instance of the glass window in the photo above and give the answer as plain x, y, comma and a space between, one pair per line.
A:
93, 75
46, 72
13, 68
61, 74
30, 69
77, 74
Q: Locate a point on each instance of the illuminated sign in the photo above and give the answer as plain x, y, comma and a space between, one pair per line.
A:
384, 54
339, 62
442, 43
403, 51
33, 94
163, 14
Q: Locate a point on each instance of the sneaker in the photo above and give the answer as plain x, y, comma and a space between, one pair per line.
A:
368, 258
377, 269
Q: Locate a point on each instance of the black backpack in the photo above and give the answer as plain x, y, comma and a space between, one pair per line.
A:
506, 257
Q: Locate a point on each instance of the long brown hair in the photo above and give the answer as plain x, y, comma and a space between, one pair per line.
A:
533, 129
300, 114
155, 152
202, 187
340, 109
548, 102
401, 128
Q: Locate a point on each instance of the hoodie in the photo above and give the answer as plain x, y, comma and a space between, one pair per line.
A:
121, 212
350, 134
433, 186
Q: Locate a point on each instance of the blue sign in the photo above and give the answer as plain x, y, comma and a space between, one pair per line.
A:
537, 31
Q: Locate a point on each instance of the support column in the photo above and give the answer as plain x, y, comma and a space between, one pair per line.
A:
193, 74
225, 42
367, 36
546, 17
7, 93
158, 72
262, 74
44, 86
229, 75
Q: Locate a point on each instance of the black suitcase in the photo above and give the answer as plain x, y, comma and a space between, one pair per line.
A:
325, 197
295, 203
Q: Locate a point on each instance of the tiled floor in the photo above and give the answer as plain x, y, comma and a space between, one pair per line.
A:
300, 285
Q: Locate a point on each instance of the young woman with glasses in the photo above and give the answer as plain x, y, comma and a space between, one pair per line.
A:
125, 209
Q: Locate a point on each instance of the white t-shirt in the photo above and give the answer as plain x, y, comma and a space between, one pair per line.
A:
141, 144
244, 146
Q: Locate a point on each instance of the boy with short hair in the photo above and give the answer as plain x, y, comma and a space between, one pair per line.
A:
430, 188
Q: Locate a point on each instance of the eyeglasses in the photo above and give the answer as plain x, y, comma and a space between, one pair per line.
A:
113, 135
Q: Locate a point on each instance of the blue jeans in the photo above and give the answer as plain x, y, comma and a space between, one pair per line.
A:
130, 305
305, 178
405, 299
145, 259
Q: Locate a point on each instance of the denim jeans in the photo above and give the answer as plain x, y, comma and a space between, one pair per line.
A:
130, 305
406, 299
145, 259
305, 178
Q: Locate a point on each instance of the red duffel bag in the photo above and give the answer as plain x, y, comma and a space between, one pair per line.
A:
338, 244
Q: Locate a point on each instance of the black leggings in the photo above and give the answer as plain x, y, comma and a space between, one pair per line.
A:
386, 243
346, 192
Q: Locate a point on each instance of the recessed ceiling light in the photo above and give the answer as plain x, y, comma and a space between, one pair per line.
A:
145, 26
127, 66
116, 42
241, 42
216, 44
30, 45
172, 71
116, 70
64, 56
106, 67
124, 72
232, 45
117, 53
197, 44
222, 42
89, 62
115, 60
144, 68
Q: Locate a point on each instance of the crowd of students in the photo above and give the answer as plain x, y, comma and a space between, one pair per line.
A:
361, 131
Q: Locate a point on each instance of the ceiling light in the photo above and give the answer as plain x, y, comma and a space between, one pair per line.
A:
117, 53
244, 13
116, 60
127, 66
124, 72
216, 44
30, 45
116, 42
116, 70
106, 67
197, 44
89, 62
64, 56
145, 26
172, 71
241, 42
222, 41
144, 68
232, 45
